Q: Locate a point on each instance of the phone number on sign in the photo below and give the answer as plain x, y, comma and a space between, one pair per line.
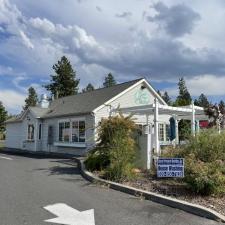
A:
170, 174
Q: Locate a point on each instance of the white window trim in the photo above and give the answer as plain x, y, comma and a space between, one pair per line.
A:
70, 143
28, 139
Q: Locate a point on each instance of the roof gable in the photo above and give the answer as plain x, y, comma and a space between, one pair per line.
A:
87, 102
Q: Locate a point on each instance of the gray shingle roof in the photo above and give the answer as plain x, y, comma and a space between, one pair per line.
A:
79, 104
85, 102
38, 111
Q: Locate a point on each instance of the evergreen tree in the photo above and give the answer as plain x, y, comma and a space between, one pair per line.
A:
109, 81
32, 98
166, 98
63, 82
202, 101
89, 87
159, 93
184, 97
3, 117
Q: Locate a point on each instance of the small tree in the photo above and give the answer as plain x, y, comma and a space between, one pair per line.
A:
3, 117
89, 87
159, 93
109, 81
32, 98
63, 82
116, 148
202, 101
184, 97
167, 98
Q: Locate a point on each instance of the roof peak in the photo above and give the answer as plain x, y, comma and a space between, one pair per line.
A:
101, 88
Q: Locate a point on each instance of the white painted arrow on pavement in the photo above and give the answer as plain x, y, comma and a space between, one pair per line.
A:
70, 216
3, 157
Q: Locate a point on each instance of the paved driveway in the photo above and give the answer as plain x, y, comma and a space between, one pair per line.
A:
29, 183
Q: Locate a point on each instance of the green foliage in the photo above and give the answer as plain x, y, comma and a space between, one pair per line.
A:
184, 97
202, 101
63, 82
167, 98
89, 87
109, 81
116, 149
32, 98
98, 159
204, 162
3, 117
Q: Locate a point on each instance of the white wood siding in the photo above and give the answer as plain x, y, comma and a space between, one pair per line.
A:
13, 135
89, 126
129, 99
17, 133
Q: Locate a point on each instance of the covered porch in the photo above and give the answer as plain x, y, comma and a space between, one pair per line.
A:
153, 146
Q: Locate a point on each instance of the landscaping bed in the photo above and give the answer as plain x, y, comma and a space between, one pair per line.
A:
177, 189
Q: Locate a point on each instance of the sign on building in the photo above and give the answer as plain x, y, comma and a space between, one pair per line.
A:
170, 167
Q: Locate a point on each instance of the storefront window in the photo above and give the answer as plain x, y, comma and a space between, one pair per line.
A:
72, 131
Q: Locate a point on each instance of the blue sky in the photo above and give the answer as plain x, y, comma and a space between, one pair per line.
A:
158, 40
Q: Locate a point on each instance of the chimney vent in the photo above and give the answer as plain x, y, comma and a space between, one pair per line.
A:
44, 103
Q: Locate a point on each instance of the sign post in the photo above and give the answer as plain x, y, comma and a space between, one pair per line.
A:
170, 167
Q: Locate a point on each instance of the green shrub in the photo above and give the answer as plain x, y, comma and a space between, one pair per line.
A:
97, 160
116, 149
204, 178
204, 162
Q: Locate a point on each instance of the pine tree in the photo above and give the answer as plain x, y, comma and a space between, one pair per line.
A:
202, 101
184, 97
32, 98
63, 82
166, 98
3, 117
109, 81
159, 93
89, 87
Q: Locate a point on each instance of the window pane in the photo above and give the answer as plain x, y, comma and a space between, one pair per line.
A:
161, 132
66, 132
30, 132
167, 132
81, 131
75, 131
61, 127
40, 129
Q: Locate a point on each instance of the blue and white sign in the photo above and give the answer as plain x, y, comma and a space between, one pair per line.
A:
170, 167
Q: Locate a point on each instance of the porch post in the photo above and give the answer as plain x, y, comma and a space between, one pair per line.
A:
149, 150
156, 126
197, 126
177, 131
193, 119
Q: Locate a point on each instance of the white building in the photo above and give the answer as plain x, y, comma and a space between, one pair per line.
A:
68, 124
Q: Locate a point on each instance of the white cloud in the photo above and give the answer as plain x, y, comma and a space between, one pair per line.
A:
26, 41
210, 85
43, 25
12, 100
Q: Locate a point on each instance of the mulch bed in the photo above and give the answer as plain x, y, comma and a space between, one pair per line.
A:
177, 189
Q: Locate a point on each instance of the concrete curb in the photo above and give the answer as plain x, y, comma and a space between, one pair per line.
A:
175, 203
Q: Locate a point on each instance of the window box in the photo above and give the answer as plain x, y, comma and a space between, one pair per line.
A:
70, 144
